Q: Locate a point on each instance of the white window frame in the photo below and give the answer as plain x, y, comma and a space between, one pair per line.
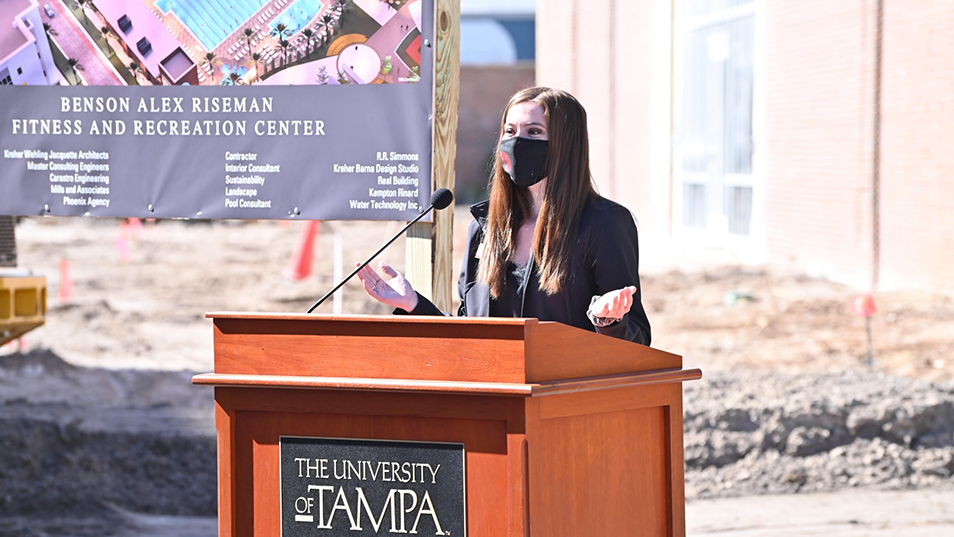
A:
716, 233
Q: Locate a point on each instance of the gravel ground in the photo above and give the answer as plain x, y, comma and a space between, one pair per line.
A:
771, 432
74, 440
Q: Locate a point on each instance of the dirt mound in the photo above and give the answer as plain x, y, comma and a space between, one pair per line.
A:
72, 438
816, 432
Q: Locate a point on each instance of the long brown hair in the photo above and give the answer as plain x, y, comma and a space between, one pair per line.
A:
569, 184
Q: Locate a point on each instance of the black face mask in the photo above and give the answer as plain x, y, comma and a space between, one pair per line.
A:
524, 159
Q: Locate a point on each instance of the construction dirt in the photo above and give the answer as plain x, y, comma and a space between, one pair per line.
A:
101, 425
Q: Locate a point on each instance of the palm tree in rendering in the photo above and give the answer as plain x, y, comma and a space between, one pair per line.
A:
256, 58
234, 79
344, 6
74, 66
309, 38
319, 38
107, 33
82, 6
328, 22
281, 31
94, 9
48, 28
283, 46
248, 33
134, 69
209, 57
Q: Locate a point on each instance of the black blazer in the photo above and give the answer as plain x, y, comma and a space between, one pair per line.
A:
605, 258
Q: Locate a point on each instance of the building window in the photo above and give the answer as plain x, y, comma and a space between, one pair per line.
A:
6, 81
713, 151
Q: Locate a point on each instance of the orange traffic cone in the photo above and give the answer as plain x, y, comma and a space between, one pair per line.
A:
299, 266
122, 247
66, 281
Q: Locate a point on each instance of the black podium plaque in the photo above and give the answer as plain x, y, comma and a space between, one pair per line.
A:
358, 487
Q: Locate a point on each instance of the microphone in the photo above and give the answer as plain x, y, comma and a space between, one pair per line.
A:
440, 199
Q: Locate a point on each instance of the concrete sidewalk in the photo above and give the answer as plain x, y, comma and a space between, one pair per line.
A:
850, 513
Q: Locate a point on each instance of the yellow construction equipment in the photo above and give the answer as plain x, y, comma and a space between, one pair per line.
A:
22, 304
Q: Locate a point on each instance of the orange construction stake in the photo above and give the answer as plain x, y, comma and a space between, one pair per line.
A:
299, 265
66, 280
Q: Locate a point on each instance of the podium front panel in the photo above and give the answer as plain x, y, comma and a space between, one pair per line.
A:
259, 418
611, 460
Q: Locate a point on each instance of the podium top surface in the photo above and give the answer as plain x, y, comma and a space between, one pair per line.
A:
457, 349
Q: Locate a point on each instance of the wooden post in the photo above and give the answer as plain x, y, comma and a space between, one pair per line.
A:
429, 258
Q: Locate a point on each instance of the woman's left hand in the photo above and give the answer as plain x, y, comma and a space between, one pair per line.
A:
397, 293
615, 304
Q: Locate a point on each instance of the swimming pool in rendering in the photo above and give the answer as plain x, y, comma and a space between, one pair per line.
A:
298, 14
211, 21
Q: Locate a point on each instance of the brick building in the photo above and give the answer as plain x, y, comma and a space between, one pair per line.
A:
496, 56
808, 132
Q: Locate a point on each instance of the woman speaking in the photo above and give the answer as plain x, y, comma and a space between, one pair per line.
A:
545, 244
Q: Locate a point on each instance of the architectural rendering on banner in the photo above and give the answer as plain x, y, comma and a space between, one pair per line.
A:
210, 42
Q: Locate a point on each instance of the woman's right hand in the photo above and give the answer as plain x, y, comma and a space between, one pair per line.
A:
396, 292
613, 305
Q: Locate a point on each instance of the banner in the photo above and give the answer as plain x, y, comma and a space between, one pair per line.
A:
313, 109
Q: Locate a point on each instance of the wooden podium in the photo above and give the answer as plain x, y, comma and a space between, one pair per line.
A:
564, 432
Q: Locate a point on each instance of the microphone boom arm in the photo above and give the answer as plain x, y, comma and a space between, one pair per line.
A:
362, 265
